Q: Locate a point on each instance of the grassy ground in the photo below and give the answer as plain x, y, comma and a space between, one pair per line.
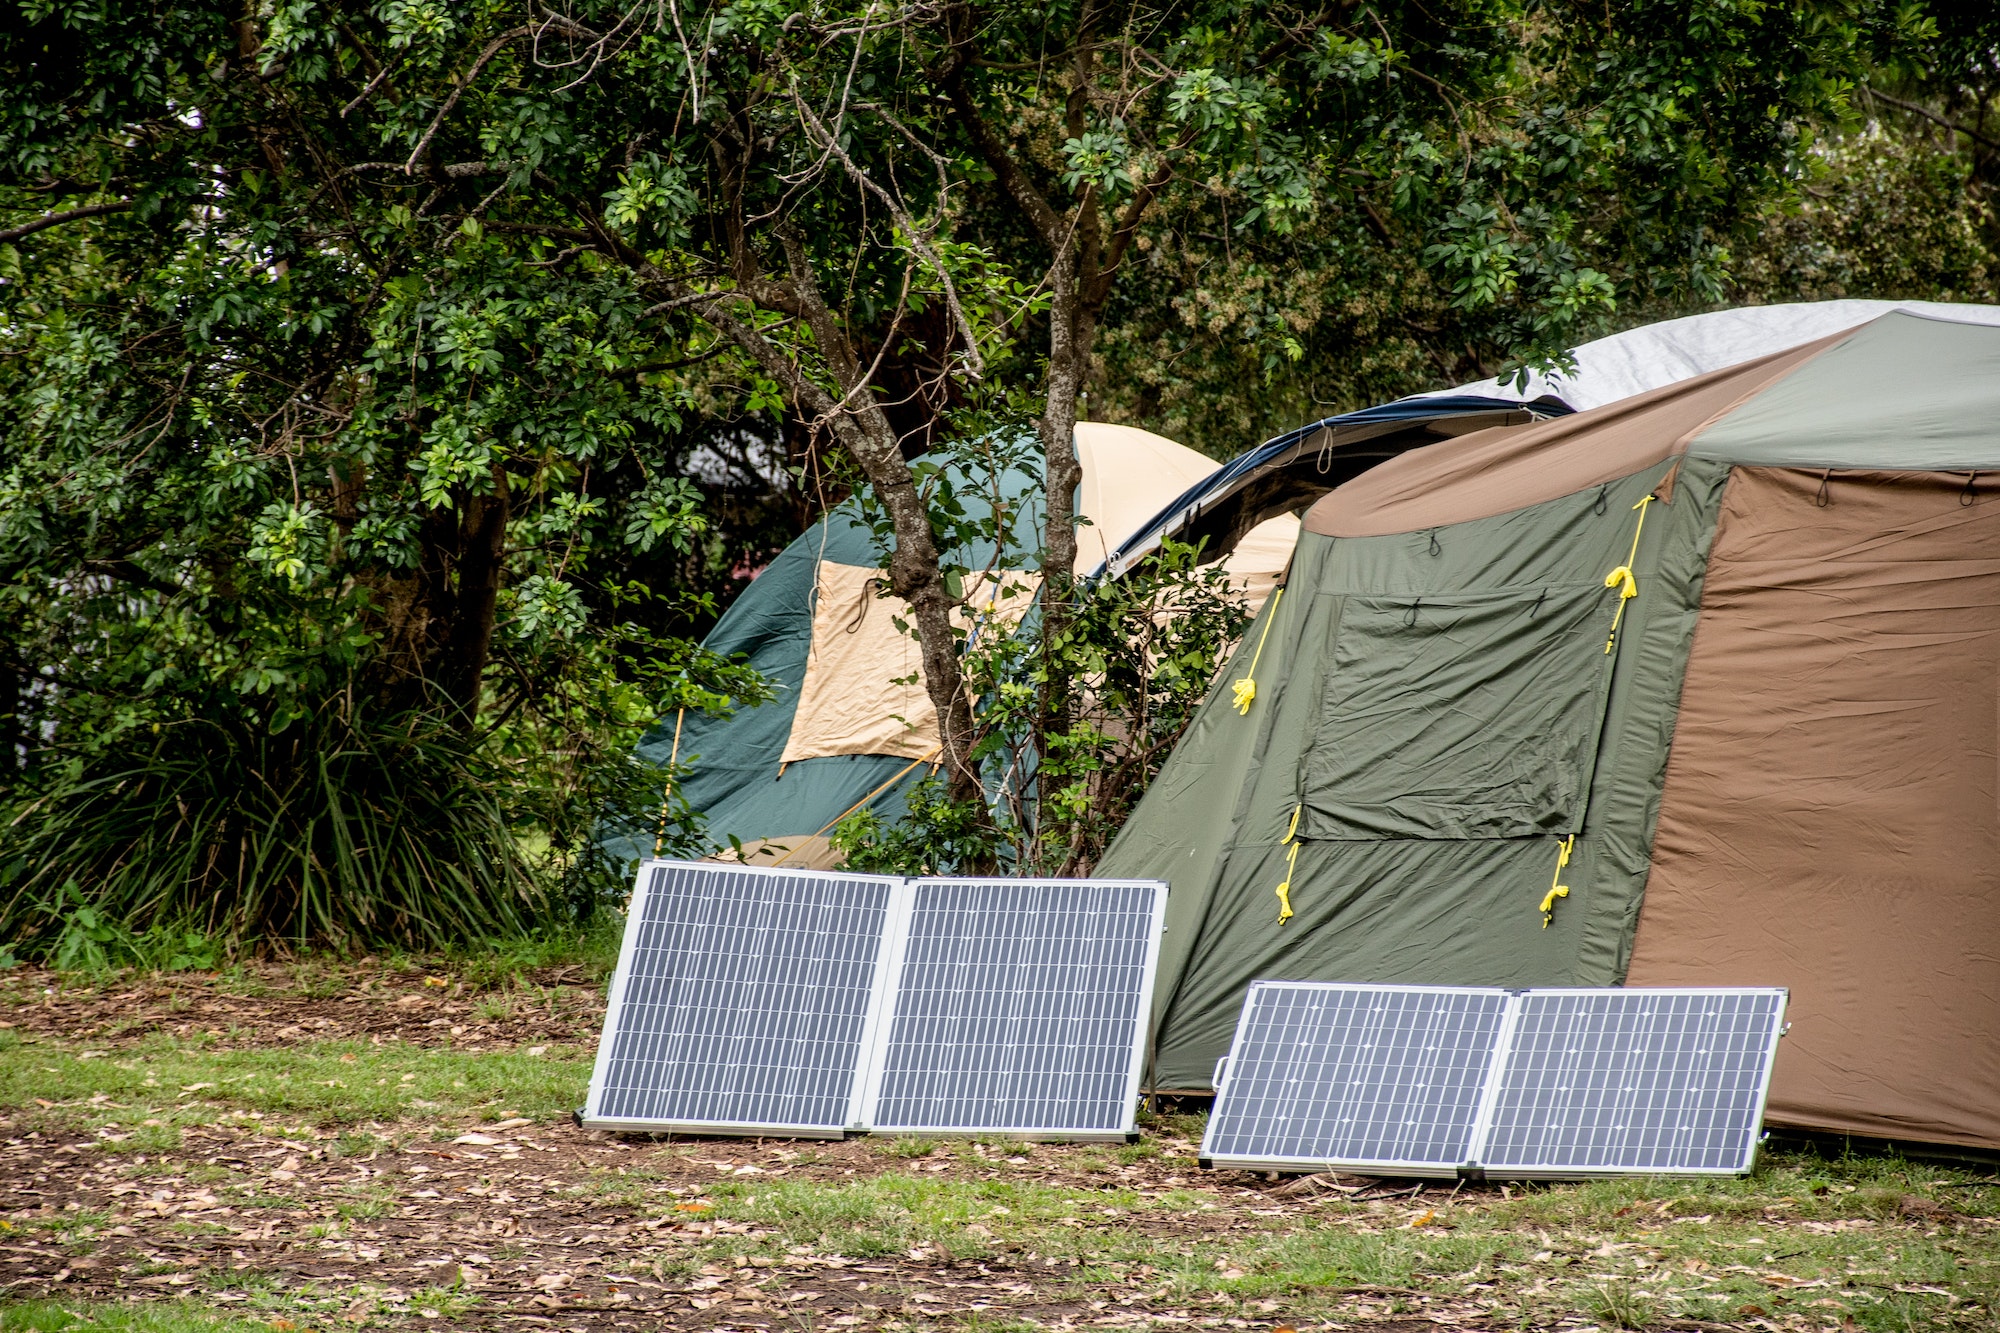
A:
388, 1145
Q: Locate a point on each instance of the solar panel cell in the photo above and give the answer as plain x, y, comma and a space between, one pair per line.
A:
1020, 1007
1381, 1078
742, 1000
1603, 1081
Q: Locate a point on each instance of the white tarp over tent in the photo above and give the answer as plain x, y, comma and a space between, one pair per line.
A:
1677, 349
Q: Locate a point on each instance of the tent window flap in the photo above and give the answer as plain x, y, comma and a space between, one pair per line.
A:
1473, 715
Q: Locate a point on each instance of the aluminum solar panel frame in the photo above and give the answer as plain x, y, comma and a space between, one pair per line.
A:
1381, 1079
1019, 1009
746, 1001
1623, 1082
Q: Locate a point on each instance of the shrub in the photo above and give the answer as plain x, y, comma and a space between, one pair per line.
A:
331, 833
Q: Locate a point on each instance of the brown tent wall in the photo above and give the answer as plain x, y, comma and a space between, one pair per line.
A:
1831, 815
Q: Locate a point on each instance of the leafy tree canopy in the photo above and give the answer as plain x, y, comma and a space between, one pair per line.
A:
352, 349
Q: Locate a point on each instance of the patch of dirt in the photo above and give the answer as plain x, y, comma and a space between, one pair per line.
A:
519, 1216
268, 1009
522, 1226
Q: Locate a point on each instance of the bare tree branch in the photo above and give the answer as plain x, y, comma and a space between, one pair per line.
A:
362, 96
1123, 234
492, 49
1943, 122
68, 215
975, 364
1041, 216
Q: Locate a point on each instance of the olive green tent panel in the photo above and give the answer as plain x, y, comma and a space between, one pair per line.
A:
1417, 902
1181, 829
1923, 394
1499, 742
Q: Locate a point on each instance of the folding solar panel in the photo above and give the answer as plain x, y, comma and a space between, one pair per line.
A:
803, 1003
1019, 1007
744, 1000
1368, 1078
1626, 1081
1539, 1084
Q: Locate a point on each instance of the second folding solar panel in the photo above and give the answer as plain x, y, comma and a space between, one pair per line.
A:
1549, 1084
1019, 1007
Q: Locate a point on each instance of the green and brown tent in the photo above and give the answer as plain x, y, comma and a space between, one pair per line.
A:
1698, 688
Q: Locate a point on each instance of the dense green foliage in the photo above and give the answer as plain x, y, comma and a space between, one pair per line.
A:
1146, 649
370, 373
309, 495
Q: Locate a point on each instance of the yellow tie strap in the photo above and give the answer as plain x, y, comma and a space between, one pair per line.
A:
1622, 578
1291, 864
1245, 687
1557, 889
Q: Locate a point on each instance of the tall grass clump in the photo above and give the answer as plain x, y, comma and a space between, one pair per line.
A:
336, 832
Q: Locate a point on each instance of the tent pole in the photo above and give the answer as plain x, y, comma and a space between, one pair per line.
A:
667, 799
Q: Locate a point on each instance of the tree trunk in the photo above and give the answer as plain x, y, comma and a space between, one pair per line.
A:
914, 576
1060, 477
437, 621
482, 551
858, 423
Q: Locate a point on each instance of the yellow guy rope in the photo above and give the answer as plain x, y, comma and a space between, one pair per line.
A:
667, 799
1291, 864
1627, 583
1246, 686
1622, 577
1557, 889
